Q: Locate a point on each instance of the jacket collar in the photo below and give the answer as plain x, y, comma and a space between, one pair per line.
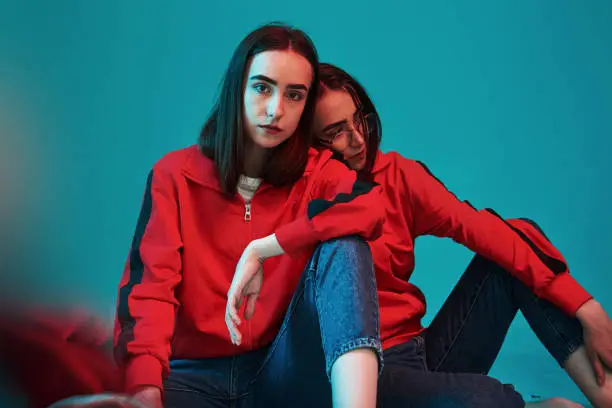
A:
381, 162
202, 170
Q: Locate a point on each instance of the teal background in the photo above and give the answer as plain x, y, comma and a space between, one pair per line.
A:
508, 102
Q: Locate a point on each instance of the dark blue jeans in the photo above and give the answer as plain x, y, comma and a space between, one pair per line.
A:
447, 365
334, 310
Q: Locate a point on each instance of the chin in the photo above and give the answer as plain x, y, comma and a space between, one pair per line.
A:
268, 141
358, 166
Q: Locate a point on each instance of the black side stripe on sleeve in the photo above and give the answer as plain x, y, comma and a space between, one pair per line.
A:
124, 316
442, 184
317, 206
555, 265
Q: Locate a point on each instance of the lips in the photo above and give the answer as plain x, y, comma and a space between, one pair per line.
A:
271, 128
358, 155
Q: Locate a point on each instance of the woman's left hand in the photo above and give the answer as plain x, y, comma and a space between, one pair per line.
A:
597, 328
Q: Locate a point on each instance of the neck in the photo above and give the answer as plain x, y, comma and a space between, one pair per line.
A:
254, 160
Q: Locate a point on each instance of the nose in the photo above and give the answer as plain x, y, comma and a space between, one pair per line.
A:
276, 107
357, 139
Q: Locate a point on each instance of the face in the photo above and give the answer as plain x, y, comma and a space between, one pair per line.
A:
277, 84
339, 126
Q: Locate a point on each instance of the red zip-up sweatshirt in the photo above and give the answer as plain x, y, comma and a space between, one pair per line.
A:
189, 238
418, 204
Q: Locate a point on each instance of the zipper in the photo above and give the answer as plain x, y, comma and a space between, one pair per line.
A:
247, 211
248, 338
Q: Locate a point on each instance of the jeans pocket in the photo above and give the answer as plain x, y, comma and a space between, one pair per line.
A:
410, 354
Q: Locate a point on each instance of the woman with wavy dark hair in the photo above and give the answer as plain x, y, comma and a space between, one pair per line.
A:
516, 267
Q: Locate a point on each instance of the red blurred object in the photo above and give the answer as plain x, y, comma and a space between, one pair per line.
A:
51, 356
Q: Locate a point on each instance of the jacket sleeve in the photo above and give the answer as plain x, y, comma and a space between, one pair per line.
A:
517, 246
146, 303
341, 205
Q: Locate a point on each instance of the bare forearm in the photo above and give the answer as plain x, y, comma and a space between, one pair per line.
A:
267, 247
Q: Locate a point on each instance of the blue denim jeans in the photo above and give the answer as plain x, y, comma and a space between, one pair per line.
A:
447, 365
334, 310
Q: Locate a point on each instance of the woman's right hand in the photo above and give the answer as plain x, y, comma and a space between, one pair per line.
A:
247, 282
150, 397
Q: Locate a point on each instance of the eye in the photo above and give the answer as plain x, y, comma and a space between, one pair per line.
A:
330, 136
296, 96
262, 88
334, 132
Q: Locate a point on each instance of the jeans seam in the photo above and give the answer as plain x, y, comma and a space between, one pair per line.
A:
238, 396
317, 305
420, 343
230, 392
463, 321
570, 346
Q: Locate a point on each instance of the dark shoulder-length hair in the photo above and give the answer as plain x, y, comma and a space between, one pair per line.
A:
223, 137
335, 78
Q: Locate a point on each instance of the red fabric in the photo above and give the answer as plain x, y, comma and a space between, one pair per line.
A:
55, 356
188, 241
419, 204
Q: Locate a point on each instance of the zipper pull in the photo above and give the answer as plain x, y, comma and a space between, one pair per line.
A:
247, 212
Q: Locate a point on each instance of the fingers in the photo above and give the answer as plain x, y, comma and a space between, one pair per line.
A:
232, 320
250, 306
234, 301
600, 375
235, 334
606, 357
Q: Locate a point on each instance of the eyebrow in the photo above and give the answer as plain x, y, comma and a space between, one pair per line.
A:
273, 82
333, 125
340, 122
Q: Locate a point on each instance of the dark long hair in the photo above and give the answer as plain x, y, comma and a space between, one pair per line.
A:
337, 79
223, 137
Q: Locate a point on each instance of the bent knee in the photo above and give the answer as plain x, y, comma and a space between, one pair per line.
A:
348, 244
346, 240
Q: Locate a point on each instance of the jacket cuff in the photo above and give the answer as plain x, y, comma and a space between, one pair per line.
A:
565, 292
143, 371
296, 236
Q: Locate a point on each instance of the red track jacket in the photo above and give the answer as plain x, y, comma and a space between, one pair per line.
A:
419, 204
187, 243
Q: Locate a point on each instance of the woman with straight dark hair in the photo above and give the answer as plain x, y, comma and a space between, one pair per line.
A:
196, 326
516, 267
